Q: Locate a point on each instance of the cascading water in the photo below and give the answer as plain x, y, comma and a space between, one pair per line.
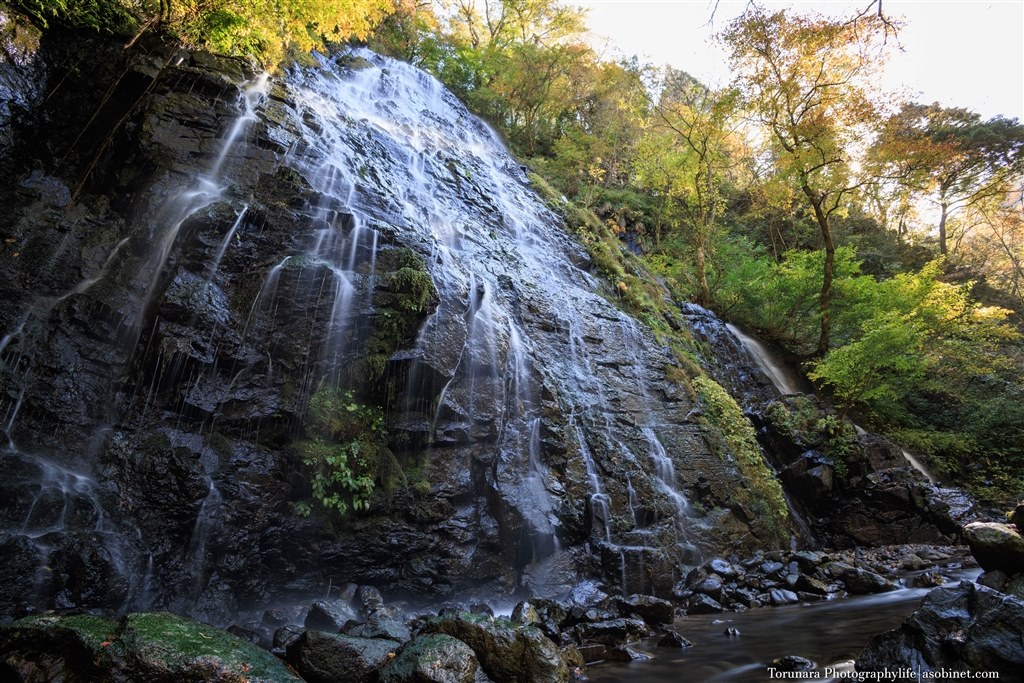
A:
539, 434
462, 200
787, 383
776, 370
66, 509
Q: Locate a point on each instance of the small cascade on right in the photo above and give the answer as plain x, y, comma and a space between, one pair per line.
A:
789, 382
843, 485
786, 381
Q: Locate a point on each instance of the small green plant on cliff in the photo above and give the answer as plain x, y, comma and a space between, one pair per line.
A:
764, 497
346, 452
404, 293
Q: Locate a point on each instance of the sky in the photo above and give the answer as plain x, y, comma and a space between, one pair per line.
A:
964, 53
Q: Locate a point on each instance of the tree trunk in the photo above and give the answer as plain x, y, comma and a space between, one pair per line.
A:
824, 302
702, 276
942, 229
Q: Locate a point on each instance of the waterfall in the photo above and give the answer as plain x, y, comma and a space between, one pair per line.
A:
62, 507
783, 379
463, 199
787, 382
540, 436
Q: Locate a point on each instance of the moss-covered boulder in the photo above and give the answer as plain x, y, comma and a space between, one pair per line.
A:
508, 652
330, 657
434, 658
156, 647
996, 546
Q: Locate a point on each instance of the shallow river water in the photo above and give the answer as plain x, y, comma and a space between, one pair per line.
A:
827, 632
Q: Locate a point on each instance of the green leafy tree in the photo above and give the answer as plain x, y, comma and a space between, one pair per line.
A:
914, 329
688, 159
806, 80
949, 155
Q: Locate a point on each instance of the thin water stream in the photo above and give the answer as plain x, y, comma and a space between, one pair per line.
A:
789, 382
829, 633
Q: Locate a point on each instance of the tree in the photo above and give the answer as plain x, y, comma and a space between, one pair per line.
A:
951, 155
918, 335
515, 62
996, 248
806, 79
270, 29
689, 165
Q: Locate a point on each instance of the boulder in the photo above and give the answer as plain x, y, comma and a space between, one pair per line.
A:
329, 615
547, 615
330, 657
369, 599
711, 586
781, 596
791, 663
966, 627
156, 647
649, 608
434, 658
385, 622
703, 604
1017, 517
722, 568
673, 639
859, 581
612, 632
996, 546
507, 651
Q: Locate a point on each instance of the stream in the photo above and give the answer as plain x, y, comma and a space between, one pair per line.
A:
830, 633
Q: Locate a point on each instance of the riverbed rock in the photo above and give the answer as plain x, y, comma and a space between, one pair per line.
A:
859, 581
612, 632
649, 608
158, 647
507, 651
673, 639
329, 615
966, 627
330, 657
383, 623
547, 615
780, 596
703, 604
434, 658
791, 663
996, 546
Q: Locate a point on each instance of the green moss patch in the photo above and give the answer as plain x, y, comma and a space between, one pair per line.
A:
764, 498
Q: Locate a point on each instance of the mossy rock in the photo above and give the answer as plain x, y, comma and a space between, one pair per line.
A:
762, 498
508, 652
156, 647
163, 646
435, 658
331, 657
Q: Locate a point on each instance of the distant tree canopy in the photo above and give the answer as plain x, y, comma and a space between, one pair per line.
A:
950, 156
266, 29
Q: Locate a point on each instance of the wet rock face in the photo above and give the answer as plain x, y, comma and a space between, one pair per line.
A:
961, 628
214, 250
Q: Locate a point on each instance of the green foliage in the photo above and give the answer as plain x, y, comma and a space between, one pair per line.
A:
403, 294
115, 17
346, 447
911, 327
764, 496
